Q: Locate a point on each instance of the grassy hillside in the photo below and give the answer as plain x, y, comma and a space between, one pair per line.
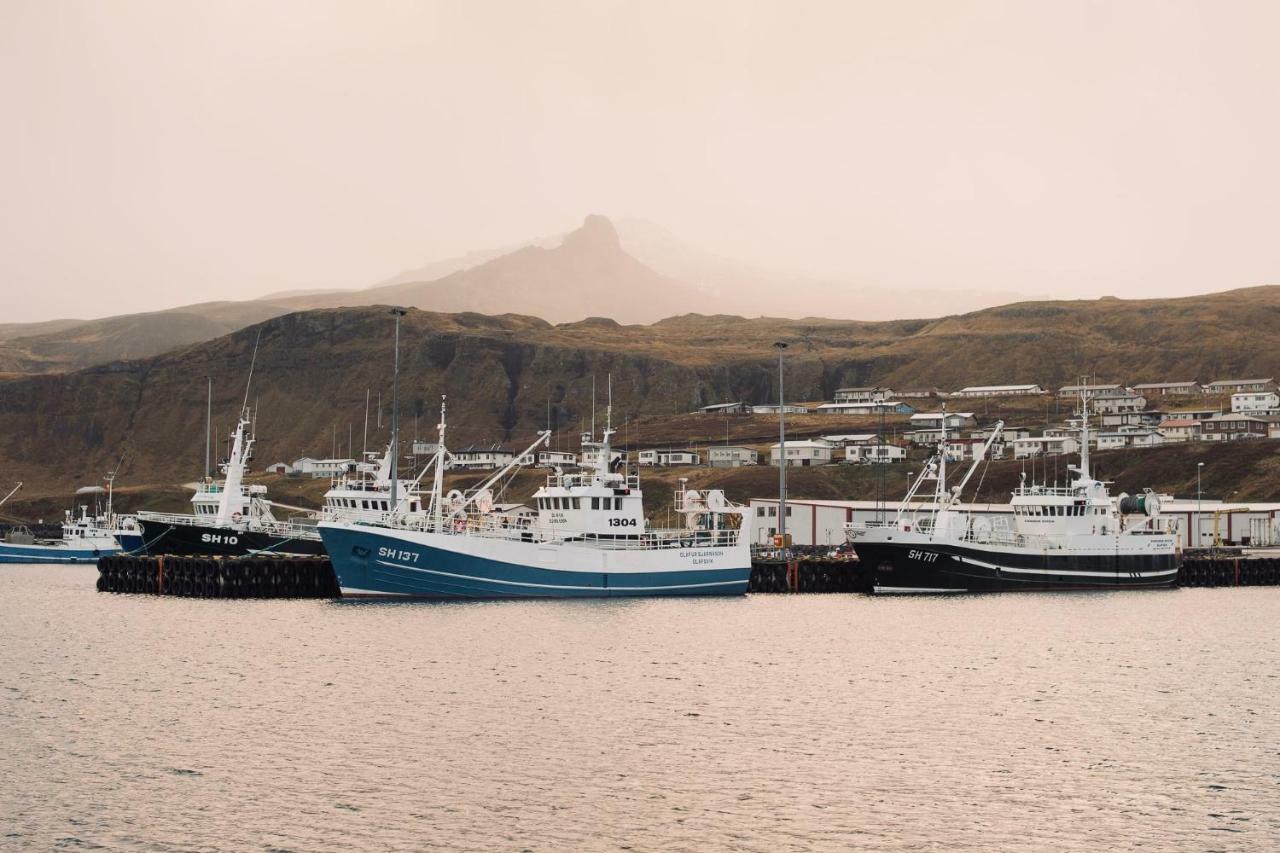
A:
508, 376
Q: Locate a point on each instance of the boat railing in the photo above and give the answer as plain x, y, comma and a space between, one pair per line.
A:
497, 526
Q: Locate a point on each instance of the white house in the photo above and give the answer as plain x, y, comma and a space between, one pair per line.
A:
556, 458
1167, 389
1202, 414
933, 420
804, 453
999, 391
279, 468
1129, 438
1232, 386
730, 456
1180, 429
1044, 445
724, 409
863, 395
1255, 402
874, 453
320, 468
1119, 403
667, 458
889, 407
772, 409
962, 449
1095, 390
481, 458
851, 438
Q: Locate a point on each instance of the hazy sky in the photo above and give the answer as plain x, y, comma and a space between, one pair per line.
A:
158, 153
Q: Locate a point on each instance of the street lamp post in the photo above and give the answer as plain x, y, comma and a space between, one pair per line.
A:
780, 346
1199, 498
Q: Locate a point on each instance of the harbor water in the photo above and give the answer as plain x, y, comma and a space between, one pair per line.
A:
780, 722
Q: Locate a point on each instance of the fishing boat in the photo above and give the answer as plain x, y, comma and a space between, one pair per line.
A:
1071, 537
84, 538
230, 517
587, 537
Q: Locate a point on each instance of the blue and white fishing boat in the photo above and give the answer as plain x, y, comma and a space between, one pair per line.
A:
587, 537
84, 539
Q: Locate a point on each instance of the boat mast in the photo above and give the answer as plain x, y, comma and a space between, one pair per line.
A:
240, 447
395, 407
941, 488
437, 483
1084, 432
208, 428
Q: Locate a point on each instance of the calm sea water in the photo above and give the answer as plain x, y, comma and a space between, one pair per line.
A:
1138, 720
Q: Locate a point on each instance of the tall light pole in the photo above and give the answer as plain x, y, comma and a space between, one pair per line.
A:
780, 346
1199, 498
395, 409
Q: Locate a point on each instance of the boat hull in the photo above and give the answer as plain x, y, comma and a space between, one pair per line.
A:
377, 562
10, 553
939, 567
162, 537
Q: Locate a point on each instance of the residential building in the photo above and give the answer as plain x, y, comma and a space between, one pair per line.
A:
874, 453
772, 409
1044, 445
999, 391
918, 394
933, 420
863, 395
804, 453
1167, 389
725, 409
852, 438
1233, 386
1007, 434
1128, 438
963, 449
1095, 390
1255, 402
321, 468
667, 458
1123, 402
1231, 427
1180, 429
889, 407
731, 457
480, 458
556, 458
1202, 414
1139, 419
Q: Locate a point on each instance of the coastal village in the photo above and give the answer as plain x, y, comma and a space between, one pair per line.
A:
904, 425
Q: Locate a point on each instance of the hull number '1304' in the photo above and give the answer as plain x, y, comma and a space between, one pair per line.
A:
622, 522
923, 556
396, 554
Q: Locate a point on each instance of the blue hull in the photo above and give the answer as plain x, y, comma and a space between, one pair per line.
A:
441, 574
51, 554
131, 543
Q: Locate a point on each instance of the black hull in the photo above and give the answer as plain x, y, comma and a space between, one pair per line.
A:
937, 567
200, 539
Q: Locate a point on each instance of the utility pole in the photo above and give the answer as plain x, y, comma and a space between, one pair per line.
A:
395, 409
780, 346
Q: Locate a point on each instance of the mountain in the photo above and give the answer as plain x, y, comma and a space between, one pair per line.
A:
507, 376
587, 274
754, 291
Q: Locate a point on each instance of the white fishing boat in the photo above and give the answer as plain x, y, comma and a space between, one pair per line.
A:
587, 537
